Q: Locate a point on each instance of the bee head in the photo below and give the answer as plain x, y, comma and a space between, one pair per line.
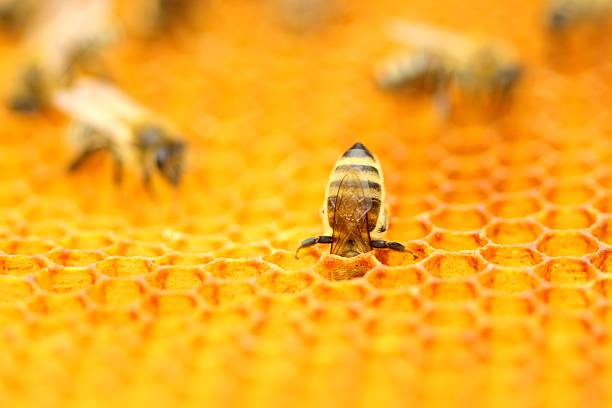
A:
170, 161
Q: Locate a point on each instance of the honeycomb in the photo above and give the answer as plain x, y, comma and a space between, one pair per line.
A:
112, 296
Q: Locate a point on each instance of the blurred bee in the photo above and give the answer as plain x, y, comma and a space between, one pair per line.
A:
67, 42
301, 15
105, 119
16, 14
479, 67
354, 208
148, 18
563, 14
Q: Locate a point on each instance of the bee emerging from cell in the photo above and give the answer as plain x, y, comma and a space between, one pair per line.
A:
354, 209
105, 119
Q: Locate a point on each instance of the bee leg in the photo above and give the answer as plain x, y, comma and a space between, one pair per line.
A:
395, 246
308, 242
82, 157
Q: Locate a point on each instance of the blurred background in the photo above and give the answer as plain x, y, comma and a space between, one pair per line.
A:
491, 125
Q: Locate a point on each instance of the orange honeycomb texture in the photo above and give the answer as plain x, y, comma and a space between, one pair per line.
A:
111, 296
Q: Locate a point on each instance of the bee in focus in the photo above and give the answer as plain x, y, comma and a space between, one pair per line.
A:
105, 119
68, 41
16, 14
439, 58
354, 208
564, 14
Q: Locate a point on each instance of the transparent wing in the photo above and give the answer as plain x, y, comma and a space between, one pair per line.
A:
350, 227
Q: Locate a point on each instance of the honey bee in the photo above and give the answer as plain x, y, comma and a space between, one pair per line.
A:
477, 66
15, 14
354, 208
67, 42
563, 14
105, 119
301, 15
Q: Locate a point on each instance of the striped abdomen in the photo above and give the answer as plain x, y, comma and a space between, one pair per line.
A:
358, 161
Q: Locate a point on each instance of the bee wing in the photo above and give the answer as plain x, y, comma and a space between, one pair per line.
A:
350, 215
101, 105
427, 37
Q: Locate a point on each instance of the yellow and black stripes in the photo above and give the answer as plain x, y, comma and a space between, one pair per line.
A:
358, 161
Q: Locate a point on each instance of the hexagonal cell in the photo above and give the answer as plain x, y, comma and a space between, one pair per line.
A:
344, 291
406, 229
88, 240
408, 206
385, 277
460, 219
504, 279
244, 250
21, 265
506, 232
604, 204
286, 281
175, 304
511, 255
176, 277
287, 260
566, 299
454, 265
26, 246
567, 218
572, 193
237, 268
603, 230
457, 241
566, 271
48, 229
511, 182
75, 257
603, 260
450, 317
567, 244
450, 291
334, 267
603, 286
198, 244
14, 289
58, 304
135, 248
515, 205
118, 293
183, 259
227, 293
61, 279
122, 267
508, 305
397, 301
465, 192
413, 254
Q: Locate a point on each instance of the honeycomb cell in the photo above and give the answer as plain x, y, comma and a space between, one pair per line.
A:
244, 250
511, 255
603, 260
413, 254
450, 291
603, 230
603, 286
454, 265
406, 229
566, 299
517, 182
573, 193
176, 277
456, 241
14, 289
400, 301
604, 204
334, 267
460, 219
342, 291
75, 257
515, 205
26, 246
62, 279
286, 281
227, 293
172, 304
287, 260
566, 271
237, 268
385, 277
508, 306
21, 265
125, 267
509, 232
58, 304
118, 293
465, 192
183, 259
453, 317
135, 248
88, 240
198, 244
568, 218
509, 279
567, 244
